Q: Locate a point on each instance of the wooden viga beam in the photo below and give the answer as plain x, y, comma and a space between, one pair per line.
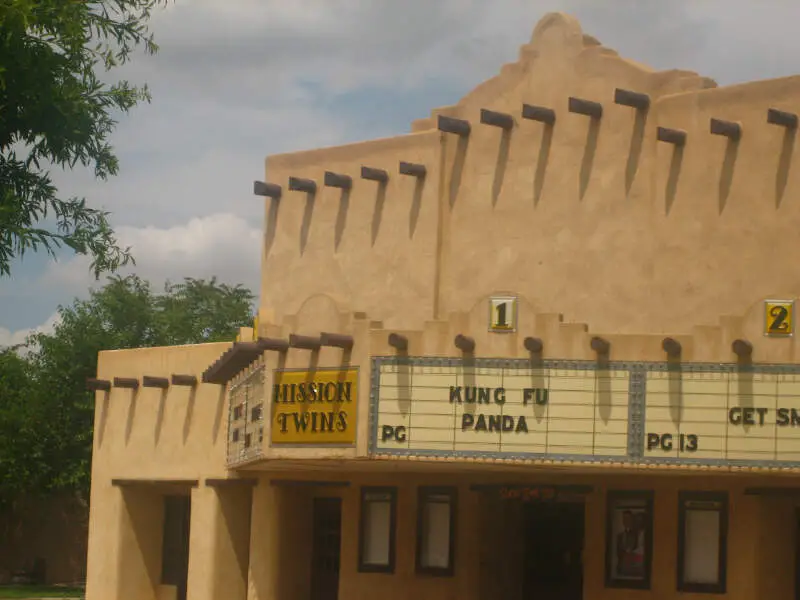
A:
98, 385
298, 184
459, 127
155, 382
267, 190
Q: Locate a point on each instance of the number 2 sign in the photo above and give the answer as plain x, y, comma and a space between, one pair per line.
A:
503, 313
779, 318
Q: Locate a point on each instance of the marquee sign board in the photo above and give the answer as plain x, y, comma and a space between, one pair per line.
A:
723, 416
508, 407
582, 411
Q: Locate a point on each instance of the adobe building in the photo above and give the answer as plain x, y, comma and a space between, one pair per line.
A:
540, 347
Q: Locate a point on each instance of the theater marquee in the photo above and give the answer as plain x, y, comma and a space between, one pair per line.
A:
443, 406
723, 415
709, 414
314, 407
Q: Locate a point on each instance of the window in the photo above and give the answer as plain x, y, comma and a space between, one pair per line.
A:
629, 539
436, 520
376, 536
702, 541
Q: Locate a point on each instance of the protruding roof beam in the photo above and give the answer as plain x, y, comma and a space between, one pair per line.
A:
184, 380
413, 169
742, 348
297, 184
398, 342
459, 127
600, 345
676, 137
533, 345
538, 113
728, 129
636, 100
464, 343
268, 190
336, 340
588, 108
130, 383
337, 180
304, 342
374, 174
273, 344
782, 118
497, 119
155, 382
671, 346
98, 385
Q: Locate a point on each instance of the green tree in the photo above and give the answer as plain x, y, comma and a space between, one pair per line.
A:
18, 461
125, 313
56, 110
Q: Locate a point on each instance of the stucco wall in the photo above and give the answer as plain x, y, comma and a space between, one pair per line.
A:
360, 248
148, 434
760, 558
598, 223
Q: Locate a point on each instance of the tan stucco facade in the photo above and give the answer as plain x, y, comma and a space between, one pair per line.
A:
620, 235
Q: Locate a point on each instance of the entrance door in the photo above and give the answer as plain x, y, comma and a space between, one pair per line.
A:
554, 551
325, 553
175, 543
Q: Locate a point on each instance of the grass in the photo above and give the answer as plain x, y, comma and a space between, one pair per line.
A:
39, 591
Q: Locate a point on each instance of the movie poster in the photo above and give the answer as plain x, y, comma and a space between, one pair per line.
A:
629, 531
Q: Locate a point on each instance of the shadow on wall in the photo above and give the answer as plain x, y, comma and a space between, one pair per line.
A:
457, 172
500, 165
461, 129
635, 148
541, 162
271, 225
377, 211
785, 160
675, 164
589, 151
341, 217
305, 227
134, 397
726, 173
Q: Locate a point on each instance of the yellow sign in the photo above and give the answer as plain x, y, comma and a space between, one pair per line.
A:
723, 416
513, 410
503, 313
779, 318
314, 407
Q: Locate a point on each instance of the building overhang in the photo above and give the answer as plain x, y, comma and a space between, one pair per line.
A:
239, 357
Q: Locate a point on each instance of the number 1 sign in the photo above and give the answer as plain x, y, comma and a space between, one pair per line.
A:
503, 313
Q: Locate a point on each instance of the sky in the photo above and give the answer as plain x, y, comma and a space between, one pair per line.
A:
237, 80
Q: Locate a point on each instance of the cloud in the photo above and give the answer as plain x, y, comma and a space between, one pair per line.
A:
223, 245
14, 338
